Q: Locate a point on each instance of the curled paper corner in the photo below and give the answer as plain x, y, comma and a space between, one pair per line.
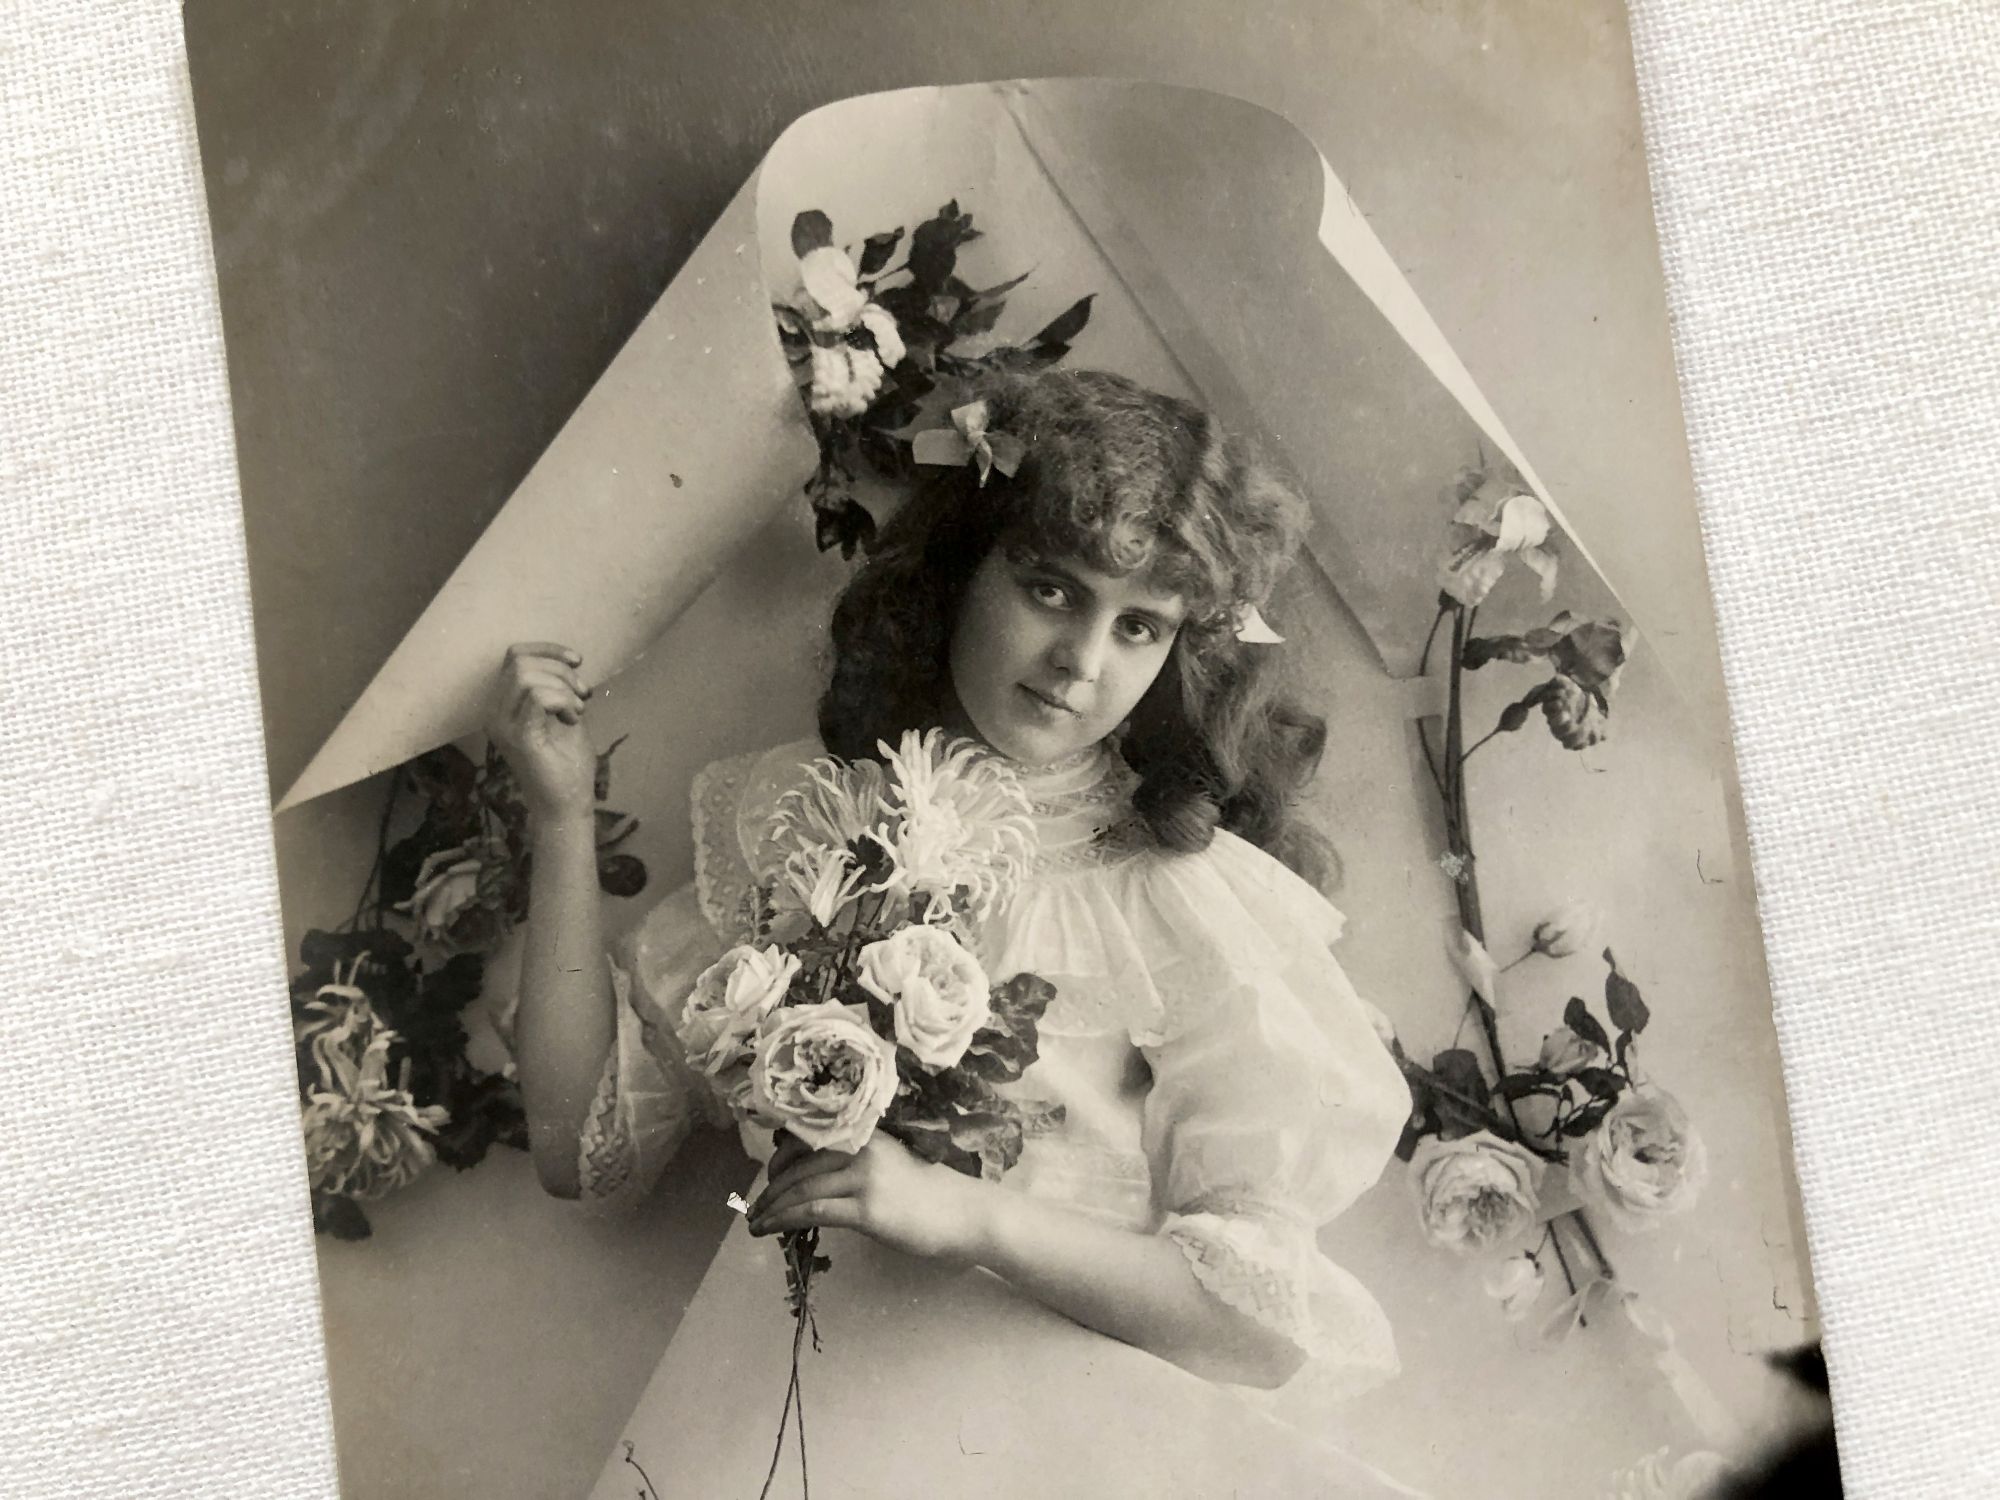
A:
695, 437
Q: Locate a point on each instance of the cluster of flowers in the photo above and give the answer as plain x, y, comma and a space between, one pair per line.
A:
876, 341
1497, 521
860, 1006
387, 1086
1479, 1149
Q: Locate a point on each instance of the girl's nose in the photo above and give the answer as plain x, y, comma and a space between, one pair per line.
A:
1079, 653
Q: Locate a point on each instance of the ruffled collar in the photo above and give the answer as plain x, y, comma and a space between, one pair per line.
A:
1078, 803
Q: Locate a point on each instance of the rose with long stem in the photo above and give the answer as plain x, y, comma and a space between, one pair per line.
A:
1449, 778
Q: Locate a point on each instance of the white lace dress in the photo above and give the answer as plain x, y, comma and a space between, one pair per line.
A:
1220, 1083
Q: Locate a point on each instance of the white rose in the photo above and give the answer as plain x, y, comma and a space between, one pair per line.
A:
1643, 1162
721, 1015
881, 323
830, 279
1566, 1054
1474, 1192
1571, 930
822, 1073
936, 989
1516, 1284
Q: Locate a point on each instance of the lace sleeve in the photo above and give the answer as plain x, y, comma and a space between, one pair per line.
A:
647, 1100
1262, 1124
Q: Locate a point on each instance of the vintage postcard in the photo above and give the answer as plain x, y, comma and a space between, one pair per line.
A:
998, 757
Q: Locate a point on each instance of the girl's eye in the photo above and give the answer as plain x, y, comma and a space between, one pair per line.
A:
1054, 595
1139, 632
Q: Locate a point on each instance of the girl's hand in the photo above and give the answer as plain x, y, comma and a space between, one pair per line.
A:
884, 1190
536, 718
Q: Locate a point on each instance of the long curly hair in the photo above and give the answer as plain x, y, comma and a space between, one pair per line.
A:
1125, 481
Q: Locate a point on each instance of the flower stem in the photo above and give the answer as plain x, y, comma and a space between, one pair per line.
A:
1476, 744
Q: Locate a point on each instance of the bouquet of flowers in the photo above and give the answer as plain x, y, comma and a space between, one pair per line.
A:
859, 1005
1479, 1148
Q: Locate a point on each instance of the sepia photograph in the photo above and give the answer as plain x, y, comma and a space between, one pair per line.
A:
997, 755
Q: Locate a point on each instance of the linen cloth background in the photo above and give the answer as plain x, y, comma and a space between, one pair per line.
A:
1823, 173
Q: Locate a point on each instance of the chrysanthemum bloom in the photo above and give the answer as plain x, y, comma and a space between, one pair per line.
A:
363, 1137
959, 828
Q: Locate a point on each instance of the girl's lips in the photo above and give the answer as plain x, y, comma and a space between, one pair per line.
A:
1052, 704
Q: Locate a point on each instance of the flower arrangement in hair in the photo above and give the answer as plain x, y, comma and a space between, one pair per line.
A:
881, 335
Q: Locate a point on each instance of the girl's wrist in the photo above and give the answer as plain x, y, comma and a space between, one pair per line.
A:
564, 825
980, 1212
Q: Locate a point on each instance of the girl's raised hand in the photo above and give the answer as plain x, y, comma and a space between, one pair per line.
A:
536, 718
884, 1191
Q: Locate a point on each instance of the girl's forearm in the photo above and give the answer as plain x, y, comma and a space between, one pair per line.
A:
567, 1025
1132, 1286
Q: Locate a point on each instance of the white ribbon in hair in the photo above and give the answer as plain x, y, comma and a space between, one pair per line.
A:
969, 440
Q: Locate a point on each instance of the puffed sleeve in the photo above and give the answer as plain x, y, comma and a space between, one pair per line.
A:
1274, 1104
648, 1099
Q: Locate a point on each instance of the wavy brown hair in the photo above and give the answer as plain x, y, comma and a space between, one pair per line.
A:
1126, 481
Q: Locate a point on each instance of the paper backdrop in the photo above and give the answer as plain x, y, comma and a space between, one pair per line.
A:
1229, 264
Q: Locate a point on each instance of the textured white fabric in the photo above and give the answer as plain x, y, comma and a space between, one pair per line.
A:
1824, 172
1824, 178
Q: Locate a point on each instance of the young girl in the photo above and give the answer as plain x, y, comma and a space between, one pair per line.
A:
1092, 618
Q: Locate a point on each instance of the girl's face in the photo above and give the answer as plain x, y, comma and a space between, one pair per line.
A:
1048, 657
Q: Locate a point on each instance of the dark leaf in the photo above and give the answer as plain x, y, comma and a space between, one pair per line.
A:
975, 319
877, 248
1521, 1085
904, 303
613, 828
1458, 1070
340, 1217
456, 983
1602, 1082
1588, 1118
888, 418
934, 252
485, 1111
811, 230
1066, 325
404, 860
1482, 649
601, 780
846, 526
1406, 1145
1621, 998
1591, 654
446, 774
387, 952
621, 874
888, 457
1577, 1017
997, 292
